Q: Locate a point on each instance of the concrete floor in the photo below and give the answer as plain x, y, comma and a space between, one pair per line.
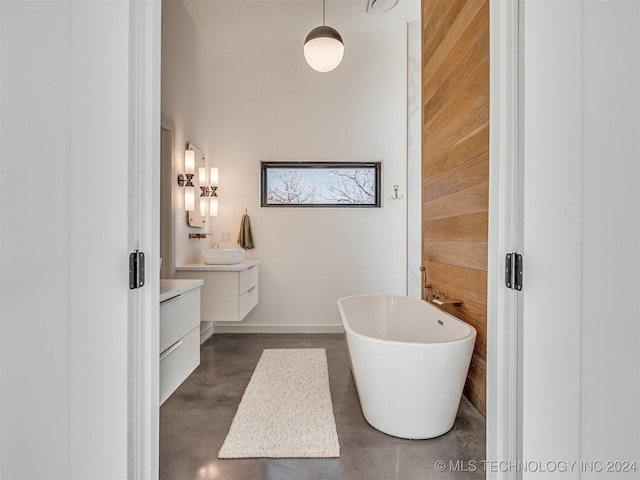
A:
195, 420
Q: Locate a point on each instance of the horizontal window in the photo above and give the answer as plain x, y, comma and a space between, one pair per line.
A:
320, 184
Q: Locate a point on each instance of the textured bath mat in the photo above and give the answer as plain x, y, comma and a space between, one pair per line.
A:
286, 409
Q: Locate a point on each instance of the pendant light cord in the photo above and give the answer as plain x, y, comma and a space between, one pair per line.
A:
323, 9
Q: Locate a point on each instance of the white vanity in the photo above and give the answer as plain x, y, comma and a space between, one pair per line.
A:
229, 292
179, 332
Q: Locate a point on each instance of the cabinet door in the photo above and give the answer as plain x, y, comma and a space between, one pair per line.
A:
220, 297
177, 363
247, 301
178, 316
248, 278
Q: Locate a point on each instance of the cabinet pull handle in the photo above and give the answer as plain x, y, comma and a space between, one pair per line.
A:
170, 299
170, 349
251, 289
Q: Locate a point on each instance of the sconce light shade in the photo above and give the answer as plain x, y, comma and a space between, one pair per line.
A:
213, 206
189, 199
213, 199
186, 180
323, 49
202, 175
189, 161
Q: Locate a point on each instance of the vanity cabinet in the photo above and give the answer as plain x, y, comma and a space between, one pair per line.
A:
229, 292
179, 332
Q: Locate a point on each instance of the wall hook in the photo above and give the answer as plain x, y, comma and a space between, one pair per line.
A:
395, 195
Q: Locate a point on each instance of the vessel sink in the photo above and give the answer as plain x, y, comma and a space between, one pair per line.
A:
222, 256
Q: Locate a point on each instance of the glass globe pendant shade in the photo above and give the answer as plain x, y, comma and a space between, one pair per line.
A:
323, 49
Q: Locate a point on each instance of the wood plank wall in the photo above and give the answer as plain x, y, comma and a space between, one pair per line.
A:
455, 165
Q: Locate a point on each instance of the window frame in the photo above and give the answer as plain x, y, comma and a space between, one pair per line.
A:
266, 166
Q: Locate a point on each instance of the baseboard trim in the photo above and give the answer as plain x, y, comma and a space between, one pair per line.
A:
206, 330
276, 328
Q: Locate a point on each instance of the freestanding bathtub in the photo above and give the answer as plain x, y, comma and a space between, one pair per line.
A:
409, 361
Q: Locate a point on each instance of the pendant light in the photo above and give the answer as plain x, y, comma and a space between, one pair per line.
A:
323, 47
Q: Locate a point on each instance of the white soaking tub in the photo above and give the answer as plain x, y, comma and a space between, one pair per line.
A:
409, 361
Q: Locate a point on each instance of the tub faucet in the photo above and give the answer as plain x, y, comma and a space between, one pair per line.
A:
214, 245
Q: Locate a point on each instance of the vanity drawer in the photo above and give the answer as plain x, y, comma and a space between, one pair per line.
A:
247, 301
178, 316
177, 363
248, 278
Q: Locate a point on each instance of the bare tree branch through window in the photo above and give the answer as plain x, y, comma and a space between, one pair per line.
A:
317, 184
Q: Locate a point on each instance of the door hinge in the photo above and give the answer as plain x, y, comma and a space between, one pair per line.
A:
136, 269
513, 271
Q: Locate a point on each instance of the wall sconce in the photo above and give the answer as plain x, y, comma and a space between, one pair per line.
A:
186, 180
208, 189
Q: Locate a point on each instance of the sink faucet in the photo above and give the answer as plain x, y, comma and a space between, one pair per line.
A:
214, 245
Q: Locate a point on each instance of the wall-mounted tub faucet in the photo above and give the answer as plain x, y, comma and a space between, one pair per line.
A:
440, 298
426, 286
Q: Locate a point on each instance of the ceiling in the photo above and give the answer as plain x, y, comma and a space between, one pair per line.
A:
232, 25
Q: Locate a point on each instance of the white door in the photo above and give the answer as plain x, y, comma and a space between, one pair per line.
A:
77, 178
563, 354
580, 355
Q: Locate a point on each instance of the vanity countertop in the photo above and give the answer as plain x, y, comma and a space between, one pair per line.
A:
171, 287
236, 267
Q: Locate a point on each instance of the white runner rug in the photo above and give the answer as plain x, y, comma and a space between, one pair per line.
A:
286, 409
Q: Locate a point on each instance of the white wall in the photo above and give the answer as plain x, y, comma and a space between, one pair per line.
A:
414, 159
64, 213
265, 103
185, 88
312, 257
581, 361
